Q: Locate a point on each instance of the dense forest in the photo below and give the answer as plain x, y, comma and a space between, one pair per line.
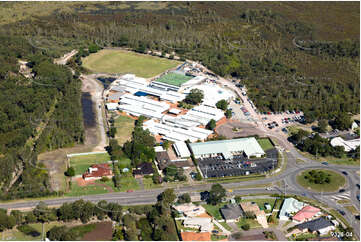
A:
286, 59
37, 114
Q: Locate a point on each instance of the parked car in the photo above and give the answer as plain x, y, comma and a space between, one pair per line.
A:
341, 212
358, 186
345, 173
341, 190
324, 163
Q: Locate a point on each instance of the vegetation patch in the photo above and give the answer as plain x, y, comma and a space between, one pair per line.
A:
175, 79
321, 180
122, 62
124, 128
82, 163
352, 209
265, 143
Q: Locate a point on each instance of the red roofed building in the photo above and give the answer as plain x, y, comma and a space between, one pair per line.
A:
306, 213
97, 171
193, 236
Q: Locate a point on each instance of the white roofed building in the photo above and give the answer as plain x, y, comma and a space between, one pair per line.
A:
181, 149
347, 144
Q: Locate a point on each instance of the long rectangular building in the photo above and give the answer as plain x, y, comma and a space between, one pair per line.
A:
228, 148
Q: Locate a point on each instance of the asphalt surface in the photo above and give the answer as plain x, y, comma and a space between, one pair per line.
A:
287, 177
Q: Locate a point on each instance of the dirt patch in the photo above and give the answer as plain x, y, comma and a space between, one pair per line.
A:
103, 232
81, 182
233, 129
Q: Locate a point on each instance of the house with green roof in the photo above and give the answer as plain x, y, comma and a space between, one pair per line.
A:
227, 148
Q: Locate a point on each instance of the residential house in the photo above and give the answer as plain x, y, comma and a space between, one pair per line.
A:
203, 224
321, 226
194, 236
249, 207
306, 213
190, 210
231, 213
97, 171
289, 207
143, 169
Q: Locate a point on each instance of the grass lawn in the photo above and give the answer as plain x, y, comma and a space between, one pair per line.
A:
82, 163
235, 178
305, 236
215, 237
124, 126
148, 183
265, 143
344, 201
336, 181
213, 210
85, 190
252, 223
128, 182
174, 79
261, 202
332, 160
121, 61
352, 209
15, 235
226, 226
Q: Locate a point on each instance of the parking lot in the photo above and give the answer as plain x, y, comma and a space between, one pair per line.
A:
237, 166
275, 120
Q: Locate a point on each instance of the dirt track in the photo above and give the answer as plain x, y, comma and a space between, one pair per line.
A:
97, 135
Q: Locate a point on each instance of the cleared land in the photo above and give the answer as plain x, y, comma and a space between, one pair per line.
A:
120, 61
174, 79
336, 181
265, 143
124, 126
82, 163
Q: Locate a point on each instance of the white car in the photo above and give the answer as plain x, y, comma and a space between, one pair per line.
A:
268, 188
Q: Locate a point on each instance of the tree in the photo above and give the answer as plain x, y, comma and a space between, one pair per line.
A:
211, 124
167, 197
184, 198
194, 97
322, 126
228, 113
112, 132
70, 171
246, 227
222, 104
166, 144
216, 194
342, 121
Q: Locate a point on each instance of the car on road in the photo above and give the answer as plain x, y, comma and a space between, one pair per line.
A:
345, 173
130, 191
357, 217
324, 163
341, 190
341, 212
268, 188
358, 186
358, 197
215, 231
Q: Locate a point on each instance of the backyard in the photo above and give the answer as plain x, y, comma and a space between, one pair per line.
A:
124, 126
121, 61
82, 163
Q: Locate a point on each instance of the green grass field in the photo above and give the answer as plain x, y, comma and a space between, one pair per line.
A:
352, 209
82, 163
174, 79
15, 235
213, 210
124, 126
265, 143
337, 181
120, 61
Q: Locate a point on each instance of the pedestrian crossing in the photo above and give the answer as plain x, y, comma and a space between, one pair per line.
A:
342, 196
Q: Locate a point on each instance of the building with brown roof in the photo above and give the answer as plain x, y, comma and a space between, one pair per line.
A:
249, 207
193, 236
97, 171
143, 169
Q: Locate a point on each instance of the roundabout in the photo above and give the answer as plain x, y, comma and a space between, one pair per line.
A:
321, 180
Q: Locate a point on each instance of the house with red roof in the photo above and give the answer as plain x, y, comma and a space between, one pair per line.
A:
97, 171
306, 213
